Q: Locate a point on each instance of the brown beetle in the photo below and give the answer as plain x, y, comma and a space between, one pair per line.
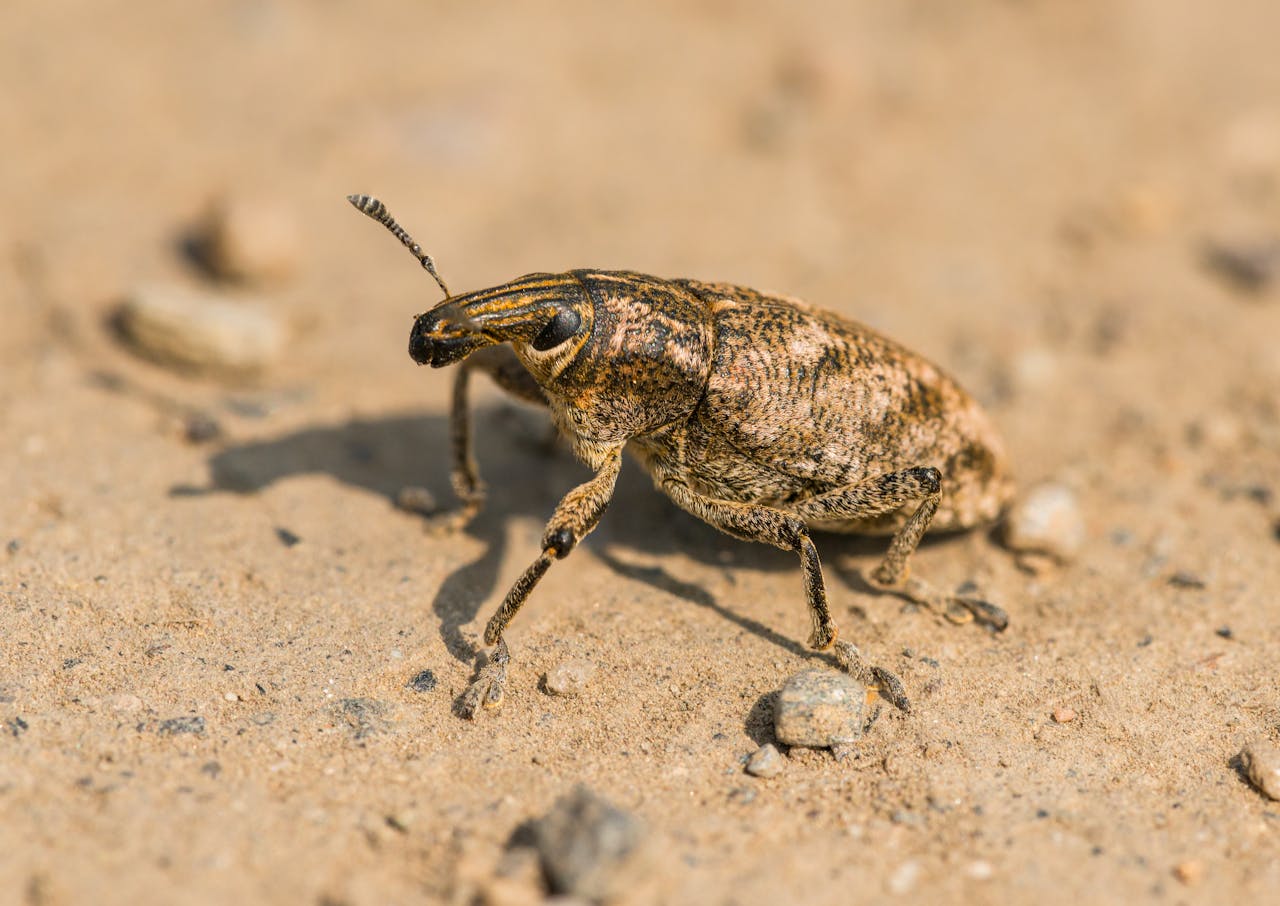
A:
760, 415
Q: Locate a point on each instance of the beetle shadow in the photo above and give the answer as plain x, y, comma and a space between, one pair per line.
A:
526, 477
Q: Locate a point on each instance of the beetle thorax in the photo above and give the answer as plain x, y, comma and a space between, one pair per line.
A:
645, 364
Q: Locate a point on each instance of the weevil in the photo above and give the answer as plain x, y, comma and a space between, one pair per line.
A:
762, 416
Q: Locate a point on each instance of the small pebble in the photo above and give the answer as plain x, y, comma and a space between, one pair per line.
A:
200, 428
417, 500
1247, 266
423, 681
1185, 579
364, 716
766, 762
288, 538
176, 726
904, 878
1046, 520
124, 702
819, 708
251, 239
1189, 872
231, 697
201, 331
570, 677
980, 870
1063, 715
401, 821
1261, 763
585, 843
17, 726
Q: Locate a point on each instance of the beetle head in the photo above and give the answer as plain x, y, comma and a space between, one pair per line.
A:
545, 317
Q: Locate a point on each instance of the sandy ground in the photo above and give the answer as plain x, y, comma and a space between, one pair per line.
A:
1023, 191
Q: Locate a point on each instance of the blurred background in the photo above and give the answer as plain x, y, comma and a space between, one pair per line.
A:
1073, 206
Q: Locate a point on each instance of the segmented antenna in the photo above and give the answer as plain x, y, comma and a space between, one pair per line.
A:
371, 207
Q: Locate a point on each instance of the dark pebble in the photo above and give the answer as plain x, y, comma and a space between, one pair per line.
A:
1184, 579
288, 538
200, 428
17, 726
424, 681
1225, 632
15, 544
1246, 266
584, 842
176, 726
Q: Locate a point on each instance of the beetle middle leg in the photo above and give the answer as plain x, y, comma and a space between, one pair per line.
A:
756, 522
501, 364
886, 494
577, 514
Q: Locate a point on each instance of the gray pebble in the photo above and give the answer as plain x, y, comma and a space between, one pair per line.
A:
585, 845
1261, 764
176, 726
201, 331
819, 708
570, 677
364, 716
1248, 266
423, 681
200, 427
251, 239
766, 762
1046, 520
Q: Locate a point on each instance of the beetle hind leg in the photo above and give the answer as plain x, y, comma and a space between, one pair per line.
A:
893, 575
755, 522
953, 607
489, 685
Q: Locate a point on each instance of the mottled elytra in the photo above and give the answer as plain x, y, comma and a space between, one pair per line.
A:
763, 416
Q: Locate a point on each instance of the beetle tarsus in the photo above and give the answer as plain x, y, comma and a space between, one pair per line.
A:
488, 688
887, 684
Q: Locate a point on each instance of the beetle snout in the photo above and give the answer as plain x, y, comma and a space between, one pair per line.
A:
438, 339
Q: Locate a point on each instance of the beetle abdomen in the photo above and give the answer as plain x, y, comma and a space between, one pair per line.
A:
801, 402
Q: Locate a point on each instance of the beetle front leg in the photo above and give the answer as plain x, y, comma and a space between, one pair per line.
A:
501, 364
575, 517
755, 522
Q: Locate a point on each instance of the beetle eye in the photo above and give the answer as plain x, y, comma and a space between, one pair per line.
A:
560, 328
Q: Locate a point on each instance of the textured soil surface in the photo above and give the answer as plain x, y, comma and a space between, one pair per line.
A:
213, 648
